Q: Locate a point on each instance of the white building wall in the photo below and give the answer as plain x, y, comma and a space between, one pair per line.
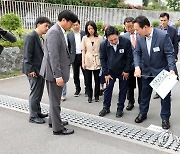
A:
134, 2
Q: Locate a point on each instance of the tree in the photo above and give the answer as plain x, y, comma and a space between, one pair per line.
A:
145, 2
174, 4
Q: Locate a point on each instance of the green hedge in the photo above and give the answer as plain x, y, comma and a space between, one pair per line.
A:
10, 22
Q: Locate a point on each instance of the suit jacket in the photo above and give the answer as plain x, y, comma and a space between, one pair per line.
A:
116, 61
161, 54
174, 38
72, 44
127, 35
33, 54
56, 60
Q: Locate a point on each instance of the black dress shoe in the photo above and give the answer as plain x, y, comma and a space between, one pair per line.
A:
165, 124
85, 94
101, 92
89, 100
76, 94
65, 131
40, 115
36, 120
156, 96
140, 118
96, 99
103, 112
119, 113
63, 122
130, 106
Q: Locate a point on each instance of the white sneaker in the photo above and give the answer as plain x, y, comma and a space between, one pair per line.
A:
63, 98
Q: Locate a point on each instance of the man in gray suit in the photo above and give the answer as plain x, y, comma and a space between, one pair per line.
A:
154, 52
74, 39
33, 55
55, 68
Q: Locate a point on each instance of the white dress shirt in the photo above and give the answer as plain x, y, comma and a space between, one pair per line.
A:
65, 35
149, 41
115, 46
77, 37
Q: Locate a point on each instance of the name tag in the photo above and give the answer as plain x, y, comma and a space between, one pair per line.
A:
121, 50
156, 49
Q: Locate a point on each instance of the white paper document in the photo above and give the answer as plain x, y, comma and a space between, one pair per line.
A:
163, 83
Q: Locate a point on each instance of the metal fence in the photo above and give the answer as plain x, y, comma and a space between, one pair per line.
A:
29, 11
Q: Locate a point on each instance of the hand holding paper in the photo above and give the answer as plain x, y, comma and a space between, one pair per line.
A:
164, 82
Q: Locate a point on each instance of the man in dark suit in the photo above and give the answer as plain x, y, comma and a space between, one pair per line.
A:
164, 19
33, 55
55, 68
131, 35
116, 60
152, 45
74, 40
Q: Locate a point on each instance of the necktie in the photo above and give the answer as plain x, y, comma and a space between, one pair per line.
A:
42, 42
133, 41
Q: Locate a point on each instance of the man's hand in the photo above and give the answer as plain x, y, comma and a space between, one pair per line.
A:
125, 75
172, 72
137, 72
83, 66
60, 82
108, 78
32, 74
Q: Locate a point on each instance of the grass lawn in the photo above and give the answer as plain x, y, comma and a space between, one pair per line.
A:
8, 75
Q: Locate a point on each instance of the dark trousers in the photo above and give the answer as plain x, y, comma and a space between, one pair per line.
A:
145, 100
88, 76
122, 92
132, 86
35, 96
77, 64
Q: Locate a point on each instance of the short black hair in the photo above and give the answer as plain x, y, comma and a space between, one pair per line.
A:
68, 15
41, 20
142, 21
111, 30
128, 19
164, 14
93, 24
78, 21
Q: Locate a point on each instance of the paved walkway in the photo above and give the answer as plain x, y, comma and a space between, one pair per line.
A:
19, 136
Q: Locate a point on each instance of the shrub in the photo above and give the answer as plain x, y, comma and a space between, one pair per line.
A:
155, 23
120, 28
176, 25
21, 32
99, 27
18, 43
10, 22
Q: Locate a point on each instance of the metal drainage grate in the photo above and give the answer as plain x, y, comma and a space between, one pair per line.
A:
164, 141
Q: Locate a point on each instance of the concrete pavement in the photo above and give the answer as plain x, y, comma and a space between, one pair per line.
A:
19, 136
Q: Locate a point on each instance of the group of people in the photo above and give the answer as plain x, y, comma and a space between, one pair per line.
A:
142, 52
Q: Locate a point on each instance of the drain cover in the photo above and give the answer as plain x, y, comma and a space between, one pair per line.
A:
164, 141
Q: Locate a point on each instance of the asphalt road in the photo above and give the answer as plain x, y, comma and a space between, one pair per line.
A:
18, 136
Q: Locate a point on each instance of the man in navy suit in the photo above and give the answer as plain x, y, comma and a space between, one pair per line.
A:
33, 55
131, 35
164, 19
154, 52
116, 60
74, 39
